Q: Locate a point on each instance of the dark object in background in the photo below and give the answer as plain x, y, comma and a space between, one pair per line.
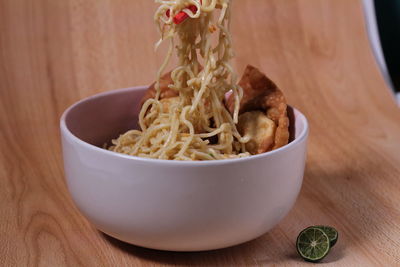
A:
388, 18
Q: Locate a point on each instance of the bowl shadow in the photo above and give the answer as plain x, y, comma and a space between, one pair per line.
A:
251, 253
222, 257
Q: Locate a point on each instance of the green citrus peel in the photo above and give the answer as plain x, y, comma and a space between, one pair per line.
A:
315, 242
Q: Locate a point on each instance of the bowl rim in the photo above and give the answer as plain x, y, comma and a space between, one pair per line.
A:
65, 132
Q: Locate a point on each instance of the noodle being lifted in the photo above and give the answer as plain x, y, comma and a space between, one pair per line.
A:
183, 116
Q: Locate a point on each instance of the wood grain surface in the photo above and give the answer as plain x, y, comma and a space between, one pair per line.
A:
54, 52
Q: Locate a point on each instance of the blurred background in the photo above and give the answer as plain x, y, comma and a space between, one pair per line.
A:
336, 60
96, 45
383, 21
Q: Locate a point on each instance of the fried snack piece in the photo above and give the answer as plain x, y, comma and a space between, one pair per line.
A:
259, 128
169, 102
260, 93
166, 92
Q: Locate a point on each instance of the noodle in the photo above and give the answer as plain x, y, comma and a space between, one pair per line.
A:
203, 77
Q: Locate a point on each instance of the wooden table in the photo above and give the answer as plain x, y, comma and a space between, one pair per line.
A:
53, 53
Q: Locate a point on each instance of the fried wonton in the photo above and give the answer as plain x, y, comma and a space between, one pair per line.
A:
166, 92
261, 94
256, 126
169, 102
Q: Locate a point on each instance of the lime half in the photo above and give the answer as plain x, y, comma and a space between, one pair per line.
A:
330, 232
313, 244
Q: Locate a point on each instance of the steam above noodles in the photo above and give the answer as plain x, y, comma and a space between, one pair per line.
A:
197, 126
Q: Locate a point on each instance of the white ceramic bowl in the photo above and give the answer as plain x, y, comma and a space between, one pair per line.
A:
173, 205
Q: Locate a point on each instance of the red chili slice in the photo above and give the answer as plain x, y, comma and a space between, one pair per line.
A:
181, 16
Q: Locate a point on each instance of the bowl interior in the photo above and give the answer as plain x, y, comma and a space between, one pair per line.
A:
98, 119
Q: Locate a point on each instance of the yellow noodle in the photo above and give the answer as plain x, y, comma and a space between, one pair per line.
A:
182, 131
